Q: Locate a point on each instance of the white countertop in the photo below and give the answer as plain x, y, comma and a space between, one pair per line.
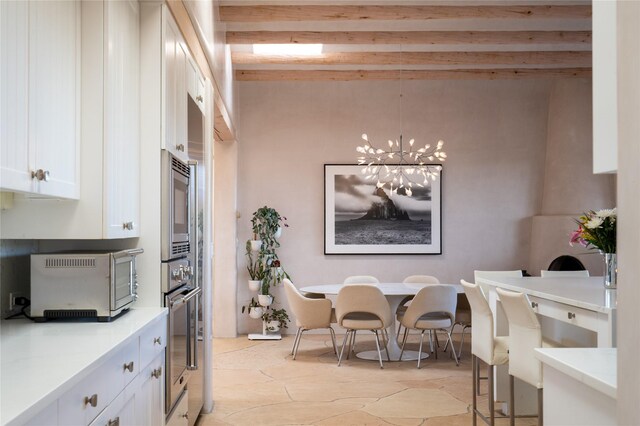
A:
588, 293
595, 367
41, 361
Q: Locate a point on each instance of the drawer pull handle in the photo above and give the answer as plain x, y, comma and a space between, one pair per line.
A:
129, 367
534, 304
186, 415
199, 98
157, 373
91, 400
114, 422
157, 340
180, 147
571, 315
128, 226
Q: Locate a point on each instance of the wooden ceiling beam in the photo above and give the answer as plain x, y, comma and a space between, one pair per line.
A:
362, 13
467, 74
409, 37
569, 59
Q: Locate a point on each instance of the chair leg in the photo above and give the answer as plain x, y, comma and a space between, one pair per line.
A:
477, 376
378, 347
453, 349
404, 340
352, 344
446, 345
431, 341
344, 342
295, 351
512, 402
295, 341
435, 335
420, 348
386, 343
333, 340
492, 412
474, 369
464, 328
540, 411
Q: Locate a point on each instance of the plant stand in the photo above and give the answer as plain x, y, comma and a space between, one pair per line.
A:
265, 334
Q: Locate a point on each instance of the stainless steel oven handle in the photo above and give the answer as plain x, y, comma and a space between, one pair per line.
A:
184, 299
135, 251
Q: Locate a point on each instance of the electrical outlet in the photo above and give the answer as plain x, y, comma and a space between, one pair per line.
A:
12, 299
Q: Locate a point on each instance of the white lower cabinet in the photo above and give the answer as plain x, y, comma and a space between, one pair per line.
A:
150, 394
127, 389
180, 414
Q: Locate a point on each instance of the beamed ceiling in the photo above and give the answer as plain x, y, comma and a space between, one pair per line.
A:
411, 40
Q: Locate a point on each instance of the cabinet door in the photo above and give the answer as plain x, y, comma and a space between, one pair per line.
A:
150, 394
175, 91
14, 93
54, 95
122, 119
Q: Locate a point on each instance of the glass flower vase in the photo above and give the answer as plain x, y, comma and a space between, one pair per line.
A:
610, 271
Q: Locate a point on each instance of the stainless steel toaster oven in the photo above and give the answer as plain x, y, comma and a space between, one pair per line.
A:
98, 285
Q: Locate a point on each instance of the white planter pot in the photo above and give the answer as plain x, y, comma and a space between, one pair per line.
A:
278, 233
254, 285
265, 299
273, 326
255, 245
256, 312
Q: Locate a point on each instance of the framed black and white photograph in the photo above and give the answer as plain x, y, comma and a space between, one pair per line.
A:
365, 216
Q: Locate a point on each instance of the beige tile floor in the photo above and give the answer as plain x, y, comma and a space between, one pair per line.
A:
258, 383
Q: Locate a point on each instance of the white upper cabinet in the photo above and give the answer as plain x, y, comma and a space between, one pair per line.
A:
175, 85
195, 84
122, 118
605, 82
40, 92
109, 201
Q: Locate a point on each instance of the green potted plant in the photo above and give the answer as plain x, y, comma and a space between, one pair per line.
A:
256, 269
276, 319
255, 310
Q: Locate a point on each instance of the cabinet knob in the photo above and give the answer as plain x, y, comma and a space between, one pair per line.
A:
180, 147
129, 367
186, 415
157, 340
114, 422
128, 226
91, 400
157, 373
534, 304
41, 175
571, 315
199, 98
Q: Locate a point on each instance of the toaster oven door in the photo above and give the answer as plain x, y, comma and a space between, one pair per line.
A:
124, 280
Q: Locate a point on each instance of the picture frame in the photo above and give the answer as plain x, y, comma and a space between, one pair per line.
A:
362, 218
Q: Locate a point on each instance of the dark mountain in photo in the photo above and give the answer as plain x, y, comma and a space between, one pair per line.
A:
384, 210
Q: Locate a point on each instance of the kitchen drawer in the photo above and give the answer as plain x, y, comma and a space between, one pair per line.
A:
121, 412
86, 400
153, 341
124, 366
580, 317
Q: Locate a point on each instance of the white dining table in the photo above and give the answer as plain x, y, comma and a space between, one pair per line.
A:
395, 293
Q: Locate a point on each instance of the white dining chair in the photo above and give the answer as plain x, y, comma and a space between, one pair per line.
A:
562, 274
433, 308
363, 307
402, 308
525, 335
485, 346
310, 314
498, 274
361, 279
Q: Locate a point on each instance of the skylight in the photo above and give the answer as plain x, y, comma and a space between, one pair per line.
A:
293, 49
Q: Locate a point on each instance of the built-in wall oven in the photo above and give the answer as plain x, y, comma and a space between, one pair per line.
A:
182, 354
176, 207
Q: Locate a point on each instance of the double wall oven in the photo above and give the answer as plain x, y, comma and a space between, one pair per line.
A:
181, 283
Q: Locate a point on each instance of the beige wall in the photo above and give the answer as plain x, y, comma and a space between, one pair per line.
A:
495, 134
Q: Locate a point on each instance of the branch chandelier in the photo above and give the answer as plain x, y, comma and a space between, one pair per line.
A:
396, 168
399, 169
